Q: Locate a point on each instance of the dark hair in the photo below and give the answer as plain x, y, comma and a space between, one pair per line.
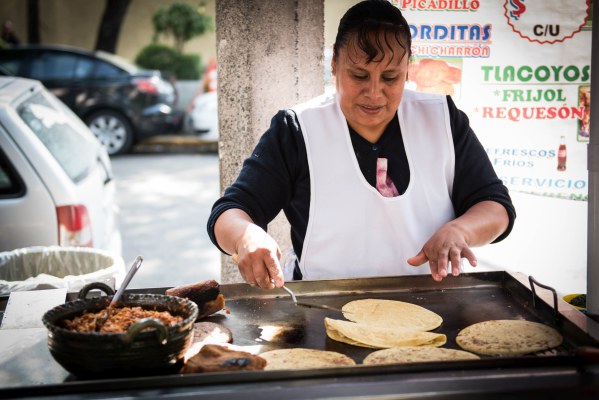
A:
363, 24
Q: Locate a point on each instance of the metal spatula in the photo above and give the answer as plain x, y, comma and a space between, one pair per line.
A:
308, 305
294, 298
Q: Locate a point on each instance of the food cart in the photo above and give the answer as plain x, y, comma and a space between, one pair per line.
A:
264, 320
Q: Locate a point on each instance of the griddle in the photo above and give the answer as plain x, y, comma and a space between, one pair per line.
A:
266, 320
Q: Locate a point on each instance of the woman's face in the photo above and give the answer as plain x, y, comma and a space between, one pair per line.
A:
370, 93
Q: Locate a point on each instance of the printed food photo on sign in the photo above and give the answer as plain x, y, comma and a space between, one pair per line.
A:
584, 124
436, 75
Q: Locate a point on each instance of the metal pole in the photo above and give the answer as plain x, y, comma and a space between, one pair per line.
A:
593, 201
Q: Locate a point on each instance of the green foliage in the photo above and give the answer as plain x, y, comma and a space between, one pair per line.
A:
167, 59
182, 21
157, 56
188, 67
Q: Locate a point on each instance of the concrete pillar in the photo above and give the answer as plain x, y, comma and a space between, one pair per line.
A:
269, 58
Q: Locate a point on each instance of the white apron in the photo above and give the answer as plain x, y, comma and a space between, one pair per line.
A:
353, 231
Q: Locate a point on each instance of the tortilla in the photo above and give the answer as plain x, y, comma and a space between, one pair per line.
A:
300, 358
392, 314
379, 337
411, 354
508, 337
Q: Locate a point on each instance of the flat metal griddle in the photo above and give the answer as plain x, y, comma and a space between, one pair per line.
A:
257, 318
265, 320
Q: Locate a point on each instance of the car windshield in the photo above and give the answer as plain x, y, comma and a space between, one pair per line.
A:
63, 135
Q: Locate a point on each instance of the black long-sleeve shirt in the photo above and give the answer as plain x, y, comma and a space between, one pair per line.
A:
276, 176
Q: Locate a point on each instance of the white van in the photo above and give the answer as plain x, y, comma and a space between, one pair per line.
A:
56, 184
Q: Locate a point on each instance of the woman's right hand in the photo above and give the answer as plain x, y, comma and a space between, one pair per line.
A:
256, 252
258, 258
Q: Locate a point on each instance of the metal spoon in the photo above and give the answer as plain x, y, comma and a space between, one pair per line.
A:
128, 277
136, 264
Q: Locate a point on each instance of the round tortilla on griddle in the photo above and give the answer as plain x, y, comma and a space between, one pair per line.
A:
508, 337
379, 337
412, 354
392, 314
300, 358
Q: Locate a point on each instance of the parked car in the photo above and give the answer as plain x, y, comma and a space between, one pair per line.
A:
56, 184
121, 103
203, 117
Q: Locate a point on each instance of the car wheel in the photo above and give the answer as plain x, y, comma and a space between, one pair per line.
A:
113, 130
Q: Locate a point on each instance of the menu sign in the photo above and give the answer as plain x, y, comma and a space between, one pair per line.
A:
520, 69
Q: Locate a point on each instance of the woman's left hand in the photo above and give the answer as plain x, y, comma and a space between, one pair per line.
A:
480, 225
448, 245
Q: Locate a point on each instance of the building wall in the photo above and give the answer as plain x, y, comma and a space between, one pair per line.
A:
333, 11
16, 11
76, 23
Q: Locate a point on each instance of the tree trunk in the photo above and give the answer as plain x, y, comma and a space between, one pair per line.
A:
110, 27
33, 23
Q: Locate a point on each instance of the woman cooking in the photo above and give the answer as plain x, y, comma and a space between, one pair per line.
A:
375, 180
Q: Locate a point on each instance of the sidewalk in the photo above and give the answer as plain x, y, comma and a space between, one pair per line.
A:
177, 144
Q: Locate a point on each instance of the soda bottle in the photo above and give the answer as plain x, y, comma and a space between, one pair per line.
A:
561, 154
